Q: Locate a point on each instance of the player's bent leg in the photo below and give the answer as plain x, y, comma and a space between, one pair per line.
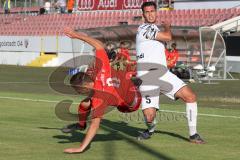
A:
83, 112
149, 116
186, 94
181, 90
150, 104
189, 97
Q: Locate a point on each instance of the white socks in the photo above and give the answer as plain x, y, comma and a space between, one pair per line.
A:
191, 112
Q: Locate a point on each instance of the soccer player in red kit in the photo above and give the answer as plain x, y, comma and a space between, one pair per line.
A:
172, 56
106, 87
124, 52
123, 60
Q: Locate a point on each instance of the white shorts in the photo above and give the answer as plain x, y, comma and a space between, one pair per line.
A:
155, 83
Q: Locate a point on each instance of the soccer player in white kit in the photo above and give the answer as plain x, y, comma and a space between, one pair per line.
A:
156, 78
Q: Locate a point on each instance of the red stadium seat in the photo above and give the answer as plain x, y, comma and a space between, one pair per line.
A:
54, 23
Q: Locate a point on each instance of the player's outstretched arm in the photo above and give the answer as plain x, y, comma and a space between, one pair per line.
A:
165, 35
84, 37
92, 130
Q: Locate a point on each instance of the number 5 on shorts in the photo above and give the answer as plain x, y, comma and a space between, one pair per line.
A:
148, 100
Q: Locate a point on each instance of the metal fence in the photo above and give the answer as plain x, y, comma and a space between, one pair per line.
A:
25, 3
33, 3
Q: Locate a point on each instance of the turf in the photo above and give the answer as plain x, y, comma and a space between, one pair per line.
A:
30, 128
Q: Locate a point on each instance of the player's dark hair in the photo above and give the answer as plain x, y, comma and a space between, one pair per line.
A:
80, 78
111, 54
146, 4
77, 81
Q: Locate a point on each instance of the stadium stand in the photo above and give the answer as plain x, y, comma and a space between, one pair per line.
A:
26, 23
52, 24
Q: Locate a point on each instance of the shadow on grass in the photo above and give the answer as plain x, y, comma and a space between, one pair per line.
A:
115, 129
76, 136
118, 131
173, 135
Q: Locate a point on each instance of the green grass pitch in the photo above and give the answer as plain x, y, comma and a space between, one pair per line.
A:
29, 128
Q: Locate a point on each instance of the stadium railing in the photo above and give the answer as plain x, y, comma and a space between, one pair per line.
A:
33, 24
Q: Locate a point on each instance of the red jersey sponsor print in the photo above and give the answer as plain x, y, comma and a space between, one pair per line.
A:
111, 87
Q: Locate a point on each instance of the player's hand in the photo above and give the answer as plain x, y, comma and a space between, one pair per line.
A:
73, 150
72, 34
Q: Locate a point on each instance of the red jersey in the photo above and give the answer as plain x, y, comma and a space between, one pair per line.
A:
131, 69
111, 87
70, 4
172, 58
124, 53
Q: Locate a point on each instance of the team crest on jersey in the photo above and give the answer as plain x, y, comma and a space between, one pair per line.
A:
114, 81
140, 56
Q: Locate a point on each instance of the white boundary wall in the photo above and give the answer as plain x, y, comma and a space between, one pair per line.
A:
233, 64
205, 5
23, 49
20, 50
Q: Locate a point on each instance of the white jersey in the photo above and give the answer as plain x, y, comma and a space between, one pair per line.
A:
149, 51
61, 3
156, 79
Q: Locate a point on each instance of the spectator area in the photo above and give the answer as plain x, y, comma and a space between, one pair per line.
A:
52, 24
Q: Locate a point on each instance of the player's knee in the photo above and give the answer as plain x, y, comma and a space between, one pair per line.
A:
85, 105
187, 95
191, 98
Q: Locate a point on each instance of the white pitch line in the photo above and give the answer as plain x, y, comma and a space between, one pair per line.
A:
33, 100
51, 101
30, 82
203, 114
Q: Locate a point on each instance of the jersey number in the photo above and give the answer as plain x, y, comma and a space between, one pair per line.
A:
148, 100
